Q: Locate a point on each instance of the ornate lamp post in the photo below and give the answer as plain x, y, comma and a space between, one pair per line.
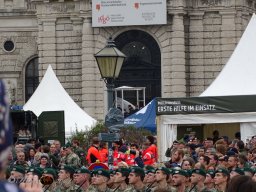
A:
110, 61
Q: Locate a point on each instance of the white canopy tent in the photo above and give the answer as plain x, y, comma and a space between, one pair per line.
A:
237, 78
51, 96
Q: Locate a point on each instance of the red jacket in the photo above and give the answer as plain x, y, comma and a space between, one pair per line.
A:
93, 155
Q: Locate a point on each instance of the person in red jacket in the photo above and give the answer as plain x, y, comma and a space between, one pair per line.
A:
104, 152
150, 140
93, 153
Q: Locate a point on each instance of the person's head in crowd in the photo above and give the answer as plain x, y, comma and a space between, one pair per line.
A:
19, 147
213, 160
75, 143
44, 160
68, 149
100, 178
226, 140
117, 144
66, 172
249, 171
188, 163
242, 161
200, 151
150, 140
215, 135
136, 177
63, 152
177, 156
162, 174
178, 179
209, 179
205, 160
210, 151
45, 149
241, 183
17, 174
96, 141
181, 145
223, 161
53, 149
21, 156
221, 179
198, 177
81, 176
57, 144
232, 161
134, 146
220, 149
121, 176
199, 165
38, 147
10, 157
238, 135
208, 142
239, 145
175, 144
41, 140
235, 172
32, 142
150, 176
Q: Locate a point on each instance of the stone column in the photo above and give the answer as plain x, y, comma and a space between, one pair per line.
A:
178, 59
47, 44
89, 97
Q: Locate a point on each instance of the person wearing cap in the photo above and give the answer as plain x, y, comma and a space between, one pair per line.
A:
49, 174
100, 179
197, 181
162, 175
235, 172
221, 179
121, 179
179, 180
17, 174
136, 178
150, 179
111, 184
72, 158
209, 180
82, 179
248, 171
65, 180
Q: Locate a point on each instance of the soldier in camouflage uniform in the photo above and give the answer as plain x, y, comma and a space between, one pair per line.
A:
150, 180
65, 181
121, 179
99, 181
209, 180
49, 173
178, 179
197, 180
82, 179
72, 158
136, 178
221, 179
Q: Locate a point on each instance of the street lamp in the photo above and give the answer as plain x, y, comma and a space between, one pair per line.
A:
110, 61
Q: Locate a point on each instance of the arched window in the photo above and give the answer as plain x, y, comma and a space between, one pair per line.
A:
142, 67
31, 78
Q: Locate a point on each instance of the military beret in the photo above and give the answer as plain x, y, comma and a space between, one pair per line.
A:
137, 170
68, 168
200, 172
102, 172
67, 145
36, 171
83, 170
221, 170
248, 169
165, 170
50, 171
211, 173
19, 169
189, 173
123, 170
239, 171
148, 167
112, 172
180, 172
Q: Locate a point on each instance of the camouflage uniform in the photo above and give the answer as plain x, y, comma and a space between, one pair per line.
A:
167, 188
94, 189
66, 185
122, 190
52, 187
73, 160
203, 190
132, 189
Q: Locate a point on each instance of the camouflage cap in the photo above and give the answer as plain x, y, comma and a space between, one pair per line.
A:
102, 172
199, 172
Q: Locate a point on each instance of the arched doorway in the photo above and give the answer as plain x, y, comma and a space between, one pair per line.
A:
142, 67
31, 78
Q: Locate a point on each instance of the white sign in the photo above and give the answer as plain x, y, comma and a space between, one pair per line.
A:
128, 12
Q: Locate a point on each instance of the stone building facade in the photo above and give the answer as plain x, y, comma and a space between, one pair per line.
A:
196, 42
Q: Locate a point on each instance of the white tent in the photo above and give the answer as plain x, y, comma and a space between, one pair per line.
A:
51, 96
236, 79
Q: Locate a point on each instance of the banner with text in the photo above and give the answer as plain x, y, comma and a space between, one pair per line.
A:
196, 105
128, 12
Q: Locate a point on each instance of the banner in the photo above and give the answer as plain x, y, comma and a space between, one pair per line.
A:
197, 105
128, 12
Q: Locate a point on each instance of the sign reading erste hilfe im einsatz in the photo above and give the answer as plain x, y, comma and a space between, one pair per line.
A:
107, 13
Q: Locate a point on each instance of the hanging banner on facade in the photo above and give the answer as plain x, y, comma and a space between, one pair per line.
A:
128, 12
197, 105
